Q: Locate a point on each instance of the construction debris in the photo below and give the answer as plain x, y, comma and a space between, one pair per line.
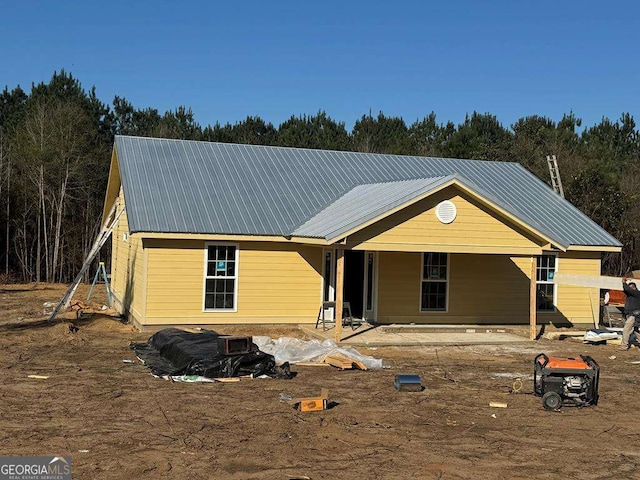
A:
174, 352
76, 305
610, 336
294, 350
561, 335
234, 345
313, 404
408, 383
498, 405
343, 362
602, 335
47, 308
200, 379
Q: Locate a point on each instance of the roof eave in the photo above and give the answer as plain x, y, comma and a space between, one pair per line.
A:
595, 248
113, 185
239, 237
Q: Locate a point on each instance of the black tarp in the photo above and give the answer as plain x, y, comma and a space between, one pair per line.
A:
176, 352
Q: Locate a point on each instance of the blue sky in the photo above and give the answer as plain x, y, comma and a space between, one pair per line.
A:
278, 58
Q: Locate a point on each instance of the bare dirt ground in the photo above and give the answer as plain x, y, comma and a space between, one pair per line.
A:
117, 421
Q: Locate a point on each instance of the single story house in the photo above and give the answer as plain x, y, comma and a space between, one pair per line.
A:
219, 233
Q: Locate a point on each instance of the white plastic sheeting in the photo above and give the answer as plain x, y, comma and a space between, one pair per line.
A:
294, 350
601, 335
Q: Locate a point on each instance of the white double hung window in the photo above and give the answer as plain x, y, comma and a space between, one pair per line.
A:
545, 288
435, 281
221, 277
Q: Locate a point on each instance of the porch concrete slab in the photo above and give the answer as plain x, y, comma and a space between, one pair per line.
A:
368, 336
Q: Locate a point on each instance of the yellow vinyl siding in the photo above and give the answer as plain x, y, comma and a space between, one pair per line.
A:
493, 287
128, 268
483, 289
277, 283
576, 304
475, 229
398, 287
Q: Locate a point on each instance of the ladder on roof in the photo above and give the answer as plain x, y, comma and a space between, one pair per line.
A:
554, 172
108, 226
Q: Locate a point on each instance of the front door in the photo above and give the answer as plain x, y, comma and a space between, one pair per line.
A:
354, 281
360, 282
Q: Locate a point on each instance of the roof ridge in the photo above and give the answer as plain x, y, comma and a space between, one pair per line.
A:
306, 149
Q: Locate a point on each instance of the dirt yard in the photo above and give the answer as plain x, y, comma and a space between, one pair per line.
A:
117, 421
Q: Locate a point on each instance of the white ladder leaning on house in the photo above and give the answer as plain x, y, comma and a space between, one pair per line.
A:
110, 222
554, 172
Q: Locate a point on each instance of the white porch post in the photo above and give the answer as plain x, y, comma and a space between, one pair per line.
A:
532, 299
339, 293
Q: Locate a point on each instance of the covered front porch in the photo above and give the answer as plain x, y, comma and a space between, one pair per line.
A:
443, 255
461, 290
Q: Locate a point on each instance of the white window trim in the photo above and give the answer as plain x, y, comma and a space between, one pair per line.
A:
547, 282
432, 311
235, 273
329, 313
374, 289
332, 277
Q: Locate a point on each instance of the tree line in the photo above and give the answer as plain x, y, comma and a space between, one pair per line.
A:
56, 141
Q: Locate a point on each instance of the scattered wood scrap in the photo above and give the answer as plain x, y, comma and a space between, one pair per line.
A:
192, 329
76, 305
565, 335
343, 362
81, 307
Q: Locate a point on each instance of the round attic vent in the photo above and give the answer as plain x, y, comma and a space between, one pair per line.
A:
446, 211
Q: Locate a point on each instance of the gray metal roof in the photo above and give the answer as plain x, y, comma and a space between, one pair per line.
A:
182, 186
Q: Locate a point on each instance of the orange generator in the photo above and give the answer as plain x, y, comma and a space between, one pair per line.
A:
572, 381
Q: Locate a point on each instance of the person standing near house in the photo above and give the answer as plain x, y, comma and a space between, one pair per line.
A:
631, 310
